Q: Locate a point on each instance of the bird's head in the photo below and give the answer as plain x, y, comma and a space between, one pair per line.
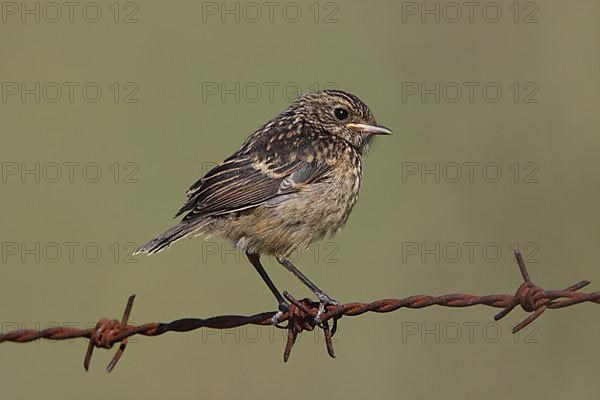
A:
342, 114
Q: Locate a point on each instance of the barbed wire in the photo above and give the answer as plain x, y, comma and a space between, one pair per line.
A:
301, 316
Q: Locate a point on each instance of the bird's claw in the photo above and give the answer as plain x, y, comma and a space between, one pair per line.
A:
324, 301
275, 318
282, 309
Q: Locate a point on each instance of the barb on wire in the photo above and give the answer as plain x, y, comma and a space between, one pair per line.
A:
301, 316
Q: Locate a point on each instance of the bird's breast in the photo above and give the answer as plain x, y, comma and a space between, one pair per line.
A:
299, 218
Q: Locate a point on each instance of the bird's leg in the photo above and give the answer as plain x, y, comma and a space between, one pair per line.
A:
254, 259
324, 299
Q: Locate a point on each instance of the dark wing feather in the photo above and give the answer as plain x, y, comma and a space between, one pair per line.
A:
244, 183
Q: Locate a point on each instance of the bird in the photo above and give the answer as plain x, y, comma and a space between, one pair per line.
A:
292, 182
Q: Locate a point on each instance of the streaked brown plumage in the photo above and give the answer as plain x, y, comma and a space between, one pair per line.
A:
293, 181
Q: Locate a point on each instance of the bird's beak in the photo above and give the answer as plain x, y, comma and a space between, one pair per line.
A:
372, 129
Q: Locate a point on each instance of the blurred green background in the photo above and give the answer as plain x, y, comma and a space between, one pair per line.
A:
162, 90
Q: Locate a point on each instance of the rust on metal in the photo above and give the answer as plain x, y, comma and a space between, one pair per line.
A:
301, 316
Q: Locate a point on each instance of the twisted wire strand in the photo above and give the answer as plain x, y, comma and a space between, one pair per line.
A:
301, 316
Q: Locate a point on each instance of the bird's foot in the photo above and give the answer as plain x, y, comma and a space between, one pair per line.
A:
275, 318
283, 308
324, 301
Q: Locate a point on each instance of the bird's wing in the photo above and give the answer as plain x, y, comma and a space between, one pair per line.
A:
242, 182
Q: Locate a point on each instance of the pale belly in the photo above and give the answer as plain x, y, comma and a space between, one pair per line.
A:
295, 222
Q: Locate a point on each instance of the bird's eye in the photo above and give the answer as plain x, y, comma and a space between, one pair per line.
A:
340, 114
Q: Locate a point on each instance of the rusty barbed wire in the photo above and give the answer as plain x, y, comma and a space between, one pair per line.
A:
301, 316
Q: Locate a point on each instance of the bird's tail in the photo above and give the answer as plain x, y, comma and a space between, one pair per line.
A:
164, 240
